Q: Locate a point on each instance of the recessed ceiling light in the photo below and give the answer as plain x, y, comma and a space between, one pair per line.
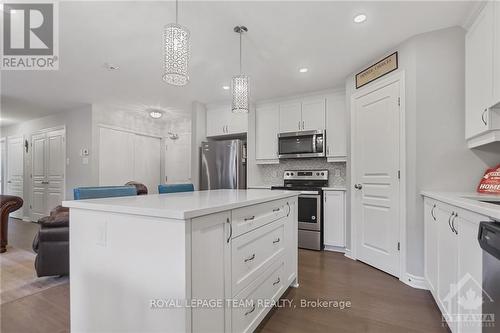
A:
303, 70
111, 67
155, 114
225, 87
359, 18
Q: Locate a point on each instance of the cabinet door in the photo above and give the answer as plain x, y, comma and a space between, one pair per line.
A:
431, 245
496, 55
447, 264
290, 117
336, 125
38, 176
217, 120
470, 270
313, 114
334, 221
237, 123
211, 271
267, 120
479, 73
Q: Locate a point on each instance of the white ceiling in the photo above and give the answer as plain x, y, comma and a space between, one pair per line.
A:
282, 37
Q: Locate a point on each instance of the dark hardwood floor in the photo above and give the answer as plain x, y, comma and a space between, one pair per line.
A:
21, 233
379, 303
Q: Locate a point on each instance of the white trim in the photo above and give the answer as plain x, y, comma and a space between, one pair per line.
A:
398, 76
116, 128
414, 281
267, 161
332, 248
483, 139
336, 159
348, 254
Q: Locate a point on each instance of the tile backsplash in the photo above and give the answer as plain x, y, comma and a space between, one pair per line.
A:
272, 174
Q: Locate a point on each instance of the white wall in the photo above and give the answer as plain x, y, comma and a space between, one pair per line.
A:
78, 136
437, 157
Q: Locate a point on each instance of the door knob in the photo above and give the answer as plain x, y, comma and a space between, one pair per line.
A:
358, 186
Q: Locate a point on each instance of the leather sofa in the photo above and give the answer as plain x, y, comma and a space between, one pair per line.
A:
51, 243
8, 204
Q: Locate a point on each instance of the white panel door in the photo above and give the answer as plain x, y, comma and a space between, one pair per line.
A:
376, 199
15, 169
290, 117
431, 246
56, 165
334, 218
3, 160
479, 72
336, 126
147, 162
116, 153
496, 54
38, 176
178, 160
267, 120
313, 114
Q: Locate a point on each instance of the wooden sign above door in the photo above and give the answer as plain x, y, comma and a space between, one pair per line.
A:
381, 68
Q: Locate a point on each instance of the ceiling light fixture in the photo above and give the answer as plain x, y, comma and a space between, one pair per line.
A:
239, 83
303, 70
176, 52
226, 87
155, 114
360, 18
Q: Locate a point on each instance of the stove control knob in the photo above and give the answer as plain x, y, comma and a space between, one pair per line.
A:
317, 173
288, 174
322, 173
291, 173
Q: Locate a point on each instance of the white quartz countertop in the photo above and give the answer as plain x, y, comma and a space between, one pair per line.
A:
334, 188
185, 205
469, 201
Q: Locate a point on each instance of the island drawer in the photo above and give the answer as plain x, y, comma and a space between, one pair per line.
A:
253, 303
254, 252
249, 218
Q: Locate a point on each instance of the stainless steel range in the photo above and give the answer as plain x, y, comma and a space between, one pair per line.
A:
310, 184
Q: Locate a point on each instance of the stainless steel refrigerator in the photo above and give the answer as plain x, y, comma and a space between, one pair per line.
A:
223, 165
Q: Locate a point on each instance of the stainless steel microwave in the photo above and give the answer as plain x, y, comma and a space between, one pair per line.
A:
302, 144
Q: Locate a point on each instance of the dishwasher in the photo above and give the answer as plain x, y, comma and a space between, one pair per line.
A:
489, 240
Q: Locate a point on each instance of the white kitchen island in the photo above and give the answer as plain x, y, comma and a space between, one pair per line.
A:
203, 261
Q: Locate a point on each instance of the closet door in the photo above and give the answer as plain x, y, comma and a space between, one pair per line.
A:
116, 152
178, 160
147, 162
15, 170
55, 159
38, 176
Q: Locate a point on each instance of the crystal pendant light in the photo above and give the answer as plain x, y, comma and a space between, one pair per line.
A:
176, 52
239, 83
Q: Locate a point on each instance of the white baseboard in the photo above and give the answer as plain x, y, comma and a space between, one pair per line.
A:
414, 281
348, 254
334, 248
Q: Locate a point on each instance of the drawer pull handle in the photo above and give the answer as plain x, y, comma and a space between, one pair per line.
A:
230, 230
432, 212
250, 311
277, 281
276, 240
250, 218
250, 258
276, 210
289, 209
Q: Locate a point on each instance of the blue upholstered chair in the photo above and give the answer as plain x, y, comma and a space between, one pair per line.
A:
96, 192
175, 188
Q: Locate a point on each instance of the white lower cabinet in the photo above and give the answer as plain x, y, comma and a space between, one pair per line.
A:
334, 218
453, 263
246, 257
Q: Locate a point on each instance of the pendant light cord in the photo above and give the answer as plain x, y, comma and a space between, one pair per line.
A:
176, 11
241, 32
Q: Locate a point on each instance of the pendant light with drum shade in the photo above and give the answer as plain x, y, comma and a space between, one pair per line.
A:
239, 83
176, 40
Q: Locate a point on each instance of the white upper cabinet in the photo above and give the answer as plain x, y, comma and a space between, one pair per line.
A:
336, 134
482, 78
308, 115
496, 52
221, 121
313, 114
290, 117
267, 121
